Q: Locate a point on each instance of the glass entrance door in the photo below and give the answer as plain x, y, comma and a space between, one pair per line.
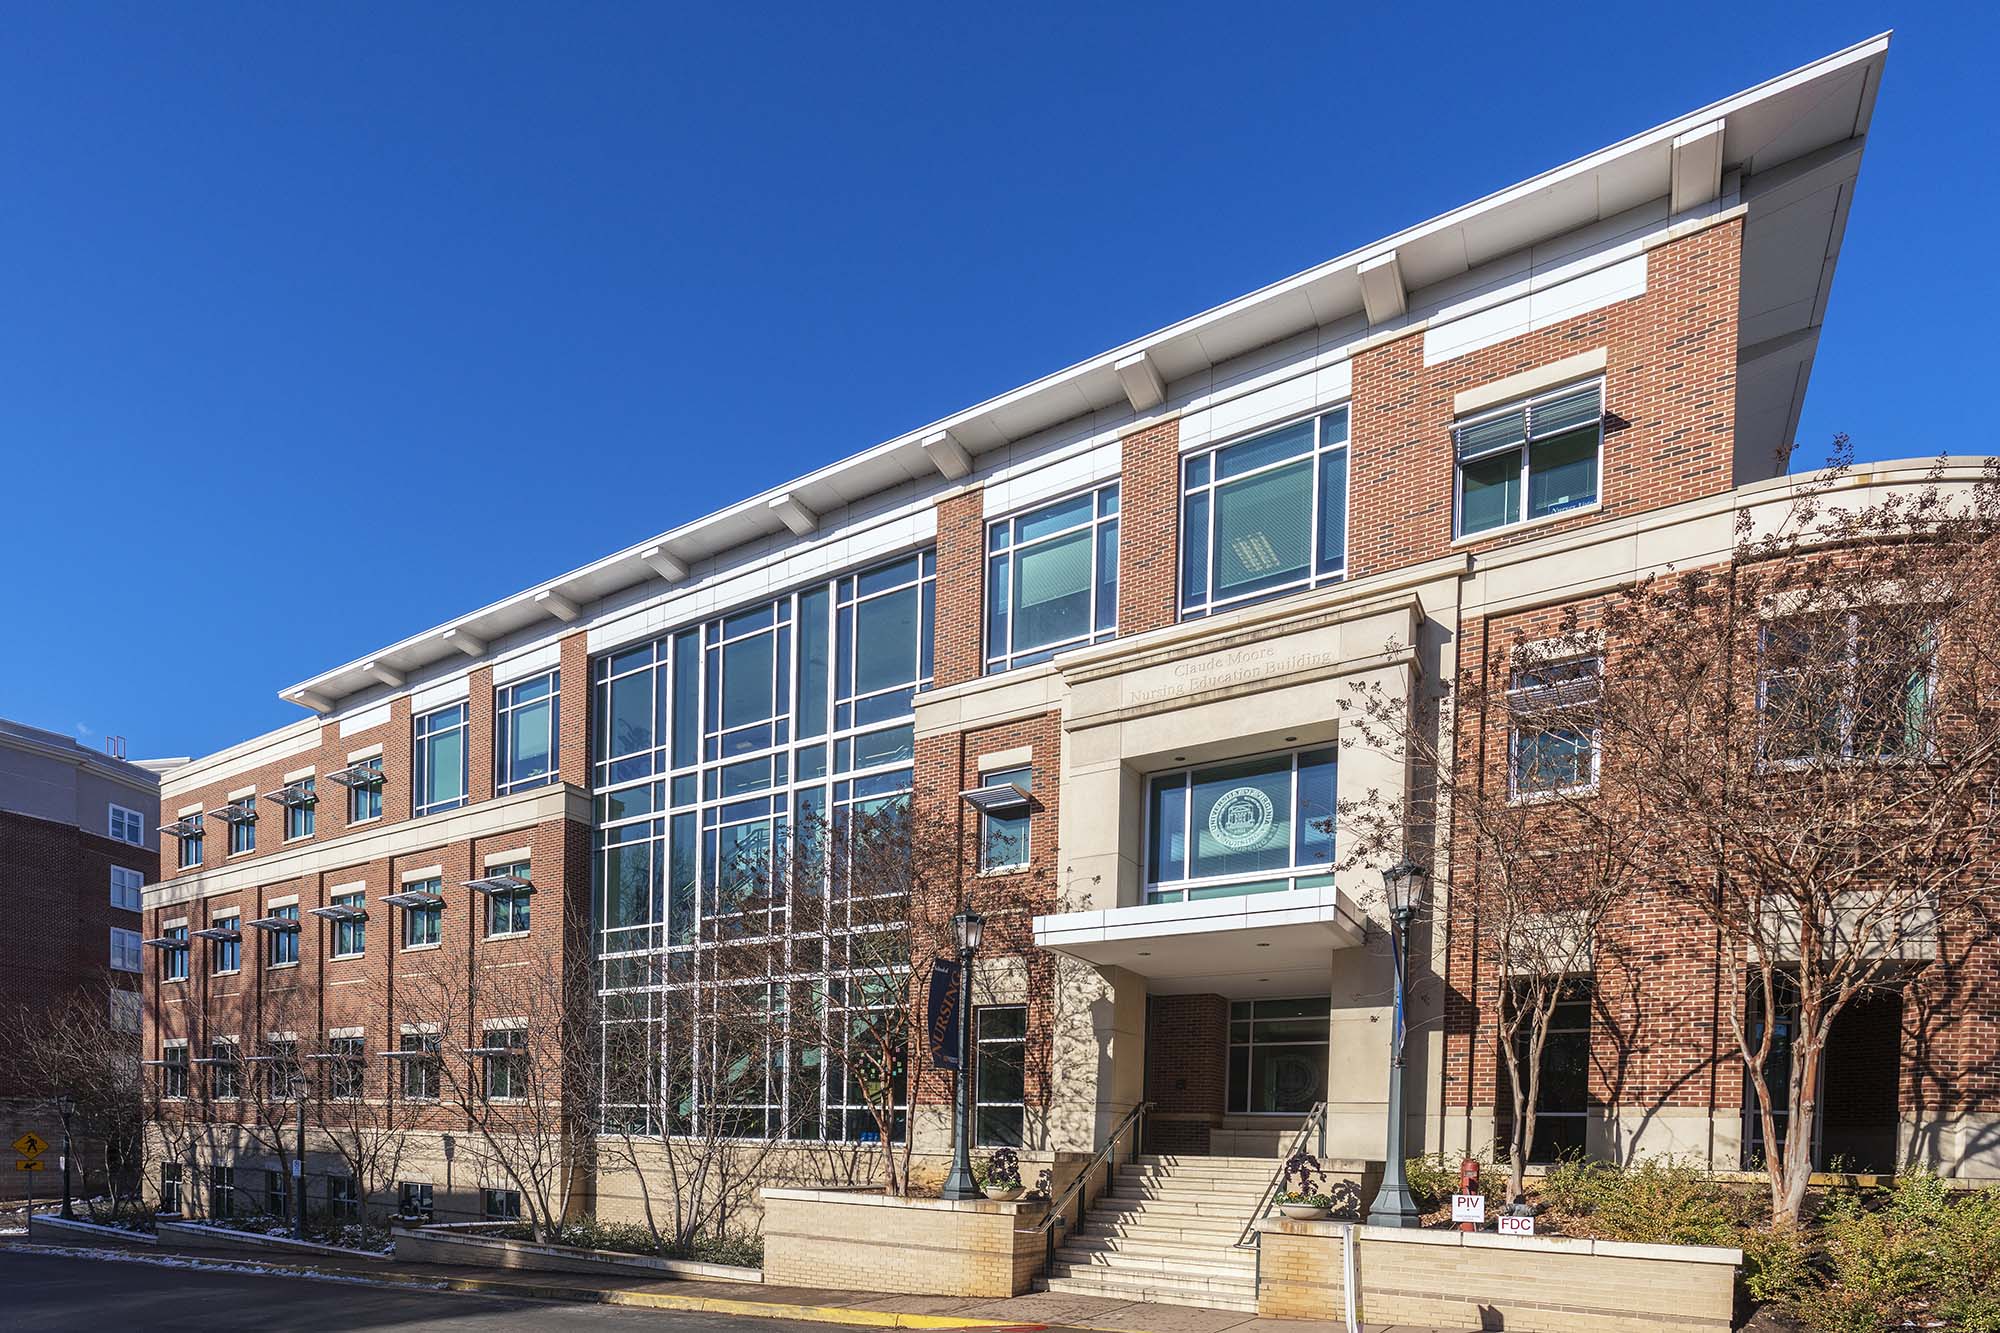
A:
1277, 1055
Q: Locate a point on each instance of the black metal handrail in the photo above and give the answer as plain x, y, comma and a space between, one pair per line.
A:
1316, 1119
1059, 1203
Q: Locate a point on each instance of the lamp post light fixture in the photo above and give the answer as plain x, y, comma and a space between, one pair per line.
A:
301, 1086
66, 1107
970, 928
1403, 884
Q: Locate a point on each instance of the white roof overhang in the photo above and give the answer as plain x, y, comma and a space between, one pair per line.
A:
1795, 140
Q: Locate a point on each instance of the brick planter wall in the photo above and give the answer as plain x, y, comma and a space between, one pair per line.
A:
1450, 1279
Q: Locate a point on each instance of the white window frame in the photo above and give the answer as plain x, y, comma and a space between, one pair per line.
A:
1024, 777
1317, 453
188, 856
1154, 892
368, 796
122, 818
420, 758
979, 1044
134, 884
1523, 697
274, 945
243, 831
1104, 513
174, 964
302, 817
1526, 446
503, 710
509, 902
1851, 684
127, 950
358, 928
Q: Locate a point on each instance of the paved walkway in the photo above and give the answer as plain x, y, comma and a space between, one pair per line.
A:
755, 1300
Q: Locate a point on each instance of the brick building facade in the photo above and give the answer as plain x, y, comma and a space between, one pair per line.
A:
1133, 590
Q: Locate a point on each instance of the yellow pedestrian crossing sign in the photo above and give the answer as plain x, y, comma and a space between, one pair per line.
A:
31, 1144
29, 1164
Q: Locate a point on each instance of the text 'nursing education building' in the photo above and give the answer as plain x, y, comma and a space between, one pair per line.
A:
1133, 590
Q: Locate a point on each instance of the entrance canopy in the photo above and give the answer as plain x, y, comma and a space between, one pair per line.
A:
1246, 945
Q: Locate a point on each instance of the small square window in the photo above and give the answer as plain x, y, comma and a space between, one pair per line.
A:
128, 826
126, 886
413, 1199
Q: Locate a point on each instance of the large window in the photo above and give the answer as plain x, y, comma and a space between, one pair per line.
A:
174, 958
1552, 738
350, 933
1264, 515
126, 887
1250, 826
1529, 460
343, 1197
241, 816
1562, 1100
711, 745
419, 1063
440, 761
504, 1063
301, 809
222, 1191
1277, 1055
1844, 686
126, 948
364, 798
225, 1071
423, 923
225, 948
1052, 579
347, 1068
128, 826
1003, 834
1000, 1035
174, 1071
525, 727
170, 1187
413, 1199
189, 856
500, 1205
281, 945
507, 909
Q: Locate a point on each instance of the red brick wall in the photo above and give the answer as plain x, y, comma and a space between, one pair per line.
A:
957, 652
1149, 509
1187, 1070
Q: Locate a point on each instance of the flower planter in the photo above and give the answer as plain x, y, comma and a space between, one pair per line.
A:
1003, 1193
1303, 1212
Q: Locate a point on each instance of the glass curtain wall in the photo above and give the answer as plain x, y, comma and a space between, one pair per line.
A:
712, 743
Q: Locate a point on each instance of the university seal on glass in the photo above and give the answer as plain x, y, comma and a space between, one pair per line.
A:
1241, 819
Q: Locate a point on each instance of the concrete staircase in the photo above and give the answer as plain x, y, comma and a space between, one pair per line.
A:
1166, 1232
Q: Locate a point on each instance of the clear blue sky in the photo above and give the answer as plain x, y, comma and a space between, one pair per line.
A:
493, 289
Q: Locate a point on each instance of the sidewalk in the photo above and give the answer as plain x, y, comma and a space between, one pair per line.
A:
751, 1300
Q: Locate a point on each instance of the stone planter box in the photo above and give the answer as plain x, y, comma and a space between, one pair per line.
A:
1530, 1284
465, 1247
873, 1242
203, 1236
51, 1226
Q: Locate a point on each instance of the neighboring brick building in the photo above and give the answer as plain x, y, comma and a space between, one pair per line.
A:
78, 840
1133, 589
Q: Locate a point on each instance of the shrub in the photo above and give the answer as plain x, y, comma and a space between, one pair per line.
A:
1575, 1185
1965, 1261
1778, 1266
1434, 1179
1668, 1203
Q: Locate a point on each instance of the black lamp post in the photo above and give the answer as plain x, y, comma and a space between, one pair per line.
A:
300, 1087
66, 1107
971, 927
1403, 884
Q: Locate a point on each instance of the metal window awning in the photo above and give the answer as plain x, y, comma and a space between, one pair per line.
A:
431, 1054
189, 827
166, 942
217, 1060
1002, 799
414, 898
283, 925
293, 795
500, 884
163, 1064
335, 1055
223, 934
237, 812
357, 775
492, 1050
339, 912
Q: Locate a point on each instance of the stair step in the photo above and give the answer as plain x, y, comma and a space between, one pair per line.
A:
1181, 1262
1206, 1237
1237, 1197
1118, 1289
1164, 1243
1225, 1209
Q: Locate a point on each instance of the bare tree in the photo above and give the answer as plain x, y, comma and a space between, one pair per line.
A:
350, 1110
1812, 732
1540, 854
75, 1047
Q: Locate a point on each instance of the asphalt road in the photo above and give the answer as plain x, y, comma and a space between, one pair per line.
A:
48, 1293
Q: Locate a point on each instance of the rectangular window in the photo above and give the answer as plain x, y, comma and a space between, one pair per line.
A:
301, 807
225, 1073
226, 955
1562, 1101
128, 826
525, 727
126, 886
419, 1063
505, 1063
424, 925
190, 843
1529, 460
174, 958
500, 1205
1052, 579
222, 1191
281, 947
507, 912
1264, 516
440, 761
1552, 737
125, 950
343, 1198
128, 1009
174, 1072
1277, 1055
1000, 1034
1841, 686
1003, 837
170, 1187
347, 1068
413, 1199
364, 799
1259, 825
281, 1066
277, 1194
241, 816
350, 935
